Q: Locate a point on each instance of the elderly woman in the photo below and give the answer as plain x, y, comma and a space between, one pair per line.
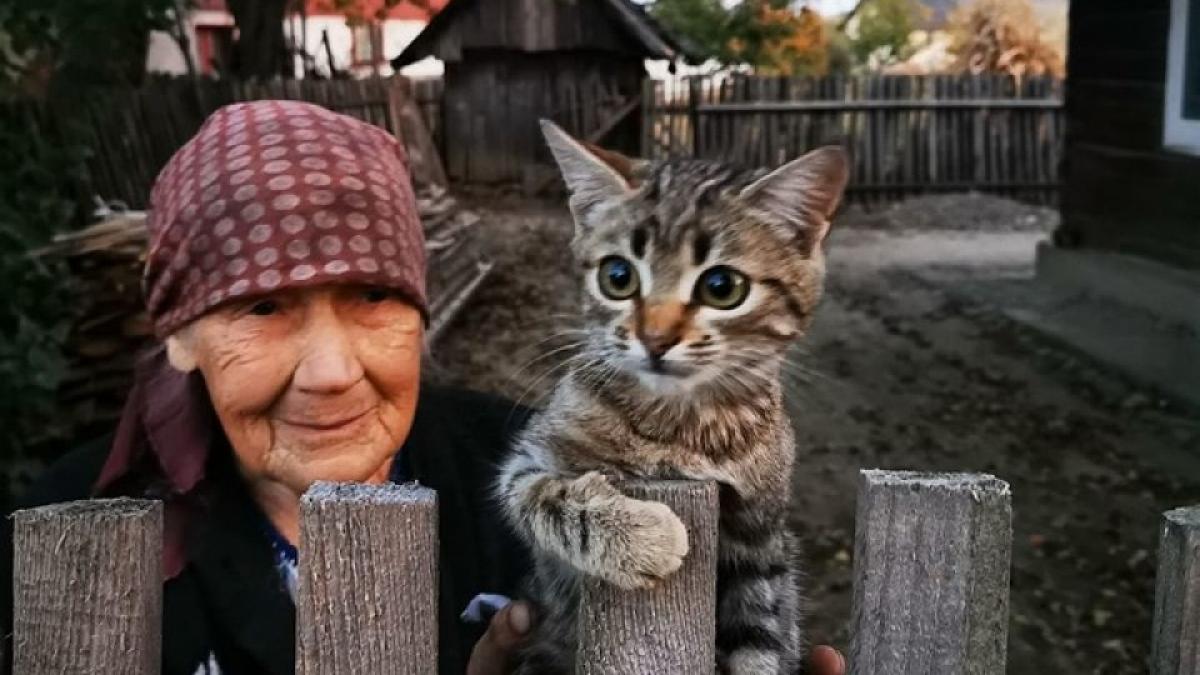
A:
285, 279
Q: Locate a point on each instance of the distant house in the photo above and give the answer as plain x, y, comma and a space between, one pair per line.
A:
510, 62
1131, 193
360, 46
1133, 130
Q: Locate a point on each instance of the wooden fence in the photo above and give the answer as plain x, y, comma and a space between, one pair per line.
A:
906, 134
931, 576
129, 134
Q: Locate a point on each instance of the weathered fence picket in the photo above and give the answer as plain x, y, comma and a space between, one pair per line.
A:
1176, 644
87, 588
931, 564
906, 134
930, 584
668, 630
367, 597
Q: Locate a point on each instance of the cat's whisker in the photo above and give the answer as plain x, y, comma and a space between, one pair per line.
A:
565, 364
723, 421
548, 354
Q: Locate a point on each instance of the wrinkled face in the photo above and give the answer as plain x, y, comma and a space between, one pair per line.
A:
311, 384
686, 288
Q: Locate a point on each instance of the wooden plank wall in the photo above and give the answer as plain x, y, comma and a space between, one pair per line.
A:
427, 93
1122, 191
493, 103
906, 135
131, 133
531, 26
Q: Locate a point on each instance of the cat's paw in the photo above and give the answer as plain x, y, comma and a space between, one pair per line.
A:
647, 544
590, 487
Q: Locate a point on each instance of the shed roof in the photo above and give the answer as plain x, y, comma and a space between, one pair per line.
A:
544, 25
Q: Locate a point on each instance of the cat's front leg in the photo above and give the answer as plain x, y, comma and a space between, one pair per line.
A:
758, 599
588, 523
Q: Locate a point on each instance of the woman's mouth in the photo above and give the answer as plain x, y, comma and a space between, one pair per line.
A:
325, 424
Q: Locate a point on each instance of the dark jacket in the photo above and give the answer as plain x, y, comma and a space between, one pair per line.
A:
230, 601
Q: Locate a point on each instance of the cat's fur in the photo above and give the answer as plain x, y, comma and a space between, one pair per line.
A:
711, 409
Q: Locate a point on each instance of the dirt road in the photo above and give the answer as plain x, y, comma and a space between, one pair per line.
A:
906, 368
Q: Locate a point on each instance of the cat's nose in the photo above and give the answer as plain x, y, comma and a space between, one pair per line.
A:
659, 343
660, 326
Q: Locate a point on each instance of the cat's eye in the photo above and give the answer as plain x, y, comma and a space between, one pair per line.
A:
617, 278
722, 287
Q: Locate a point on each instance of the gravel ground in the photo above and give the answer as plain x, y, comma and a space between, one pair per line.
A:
948, 213
904, 369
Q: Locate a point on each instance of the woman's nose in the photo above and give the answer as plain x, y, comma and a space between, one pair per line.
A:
329, 365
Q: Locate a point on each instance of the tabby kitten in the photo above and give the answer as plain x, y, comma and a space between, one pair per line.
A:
699, 276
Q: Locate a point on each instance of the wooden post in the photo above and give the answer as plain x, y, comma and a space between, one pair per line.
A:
1176, 643
650, 114
931, 567
366, 600
669, 630
87, 588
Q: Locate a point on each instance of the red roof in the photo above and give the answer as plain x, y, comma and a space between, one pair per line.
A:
418, 10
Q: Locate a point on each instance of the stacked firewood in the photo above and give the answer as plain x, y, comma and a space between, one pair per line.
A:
107, 260
456, 261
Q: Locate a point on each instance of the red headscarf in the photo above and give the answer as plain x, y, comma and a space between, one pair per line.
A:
267, 195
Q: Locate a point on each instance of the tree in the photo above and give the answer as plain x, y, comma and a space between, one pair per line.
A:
260, 52
77, 41
705, 23
880, 29
1002, 36
767, 34
776, 39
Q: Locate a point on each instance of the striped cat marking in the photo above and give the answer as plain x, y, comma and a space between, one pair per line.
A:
698, 278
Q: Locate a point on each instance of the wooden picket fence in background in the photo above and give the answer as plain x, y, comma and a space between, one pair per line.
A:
931, 580
129, 134
906, 134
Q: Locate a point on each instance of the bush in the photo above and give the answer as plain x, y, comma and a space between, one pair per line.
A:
36, 310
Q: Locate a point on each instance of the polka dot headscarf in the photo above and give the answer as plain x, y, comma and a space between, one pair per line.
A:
279, 194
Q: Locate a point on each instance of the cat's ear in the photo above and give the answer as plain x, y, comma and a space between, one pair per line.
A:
591, 177
806, 191
629, 168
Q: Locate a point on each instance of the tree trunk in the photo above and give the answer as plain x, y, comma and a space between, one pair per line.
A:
260, 51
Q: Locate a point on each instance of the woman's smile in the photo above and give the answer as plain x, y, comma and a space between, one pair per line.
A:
319, 424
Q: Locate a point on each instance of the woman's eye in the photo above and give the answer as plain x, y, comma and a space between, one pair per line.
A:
618, 278
264, 308
722, 287
376, 295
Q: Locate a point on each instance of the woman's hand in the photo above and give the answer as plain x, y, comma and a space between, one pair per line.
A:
826, 660
493, 654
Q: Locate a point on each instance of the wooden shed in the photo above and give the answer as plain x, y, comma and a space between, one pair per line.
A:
1132, 168
511, 62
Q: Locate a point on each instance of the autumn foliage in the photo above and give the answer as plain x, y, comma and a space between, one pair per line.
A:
1002, 36
781, 40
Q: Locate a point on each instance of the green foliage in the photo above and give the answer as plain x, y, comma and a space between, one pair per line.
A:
77, 41
771, 35
36, 307
883, 27
49, 46
706, 23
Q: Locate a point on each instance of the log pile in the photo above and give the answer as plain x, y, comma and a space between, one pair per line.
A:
107, 259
